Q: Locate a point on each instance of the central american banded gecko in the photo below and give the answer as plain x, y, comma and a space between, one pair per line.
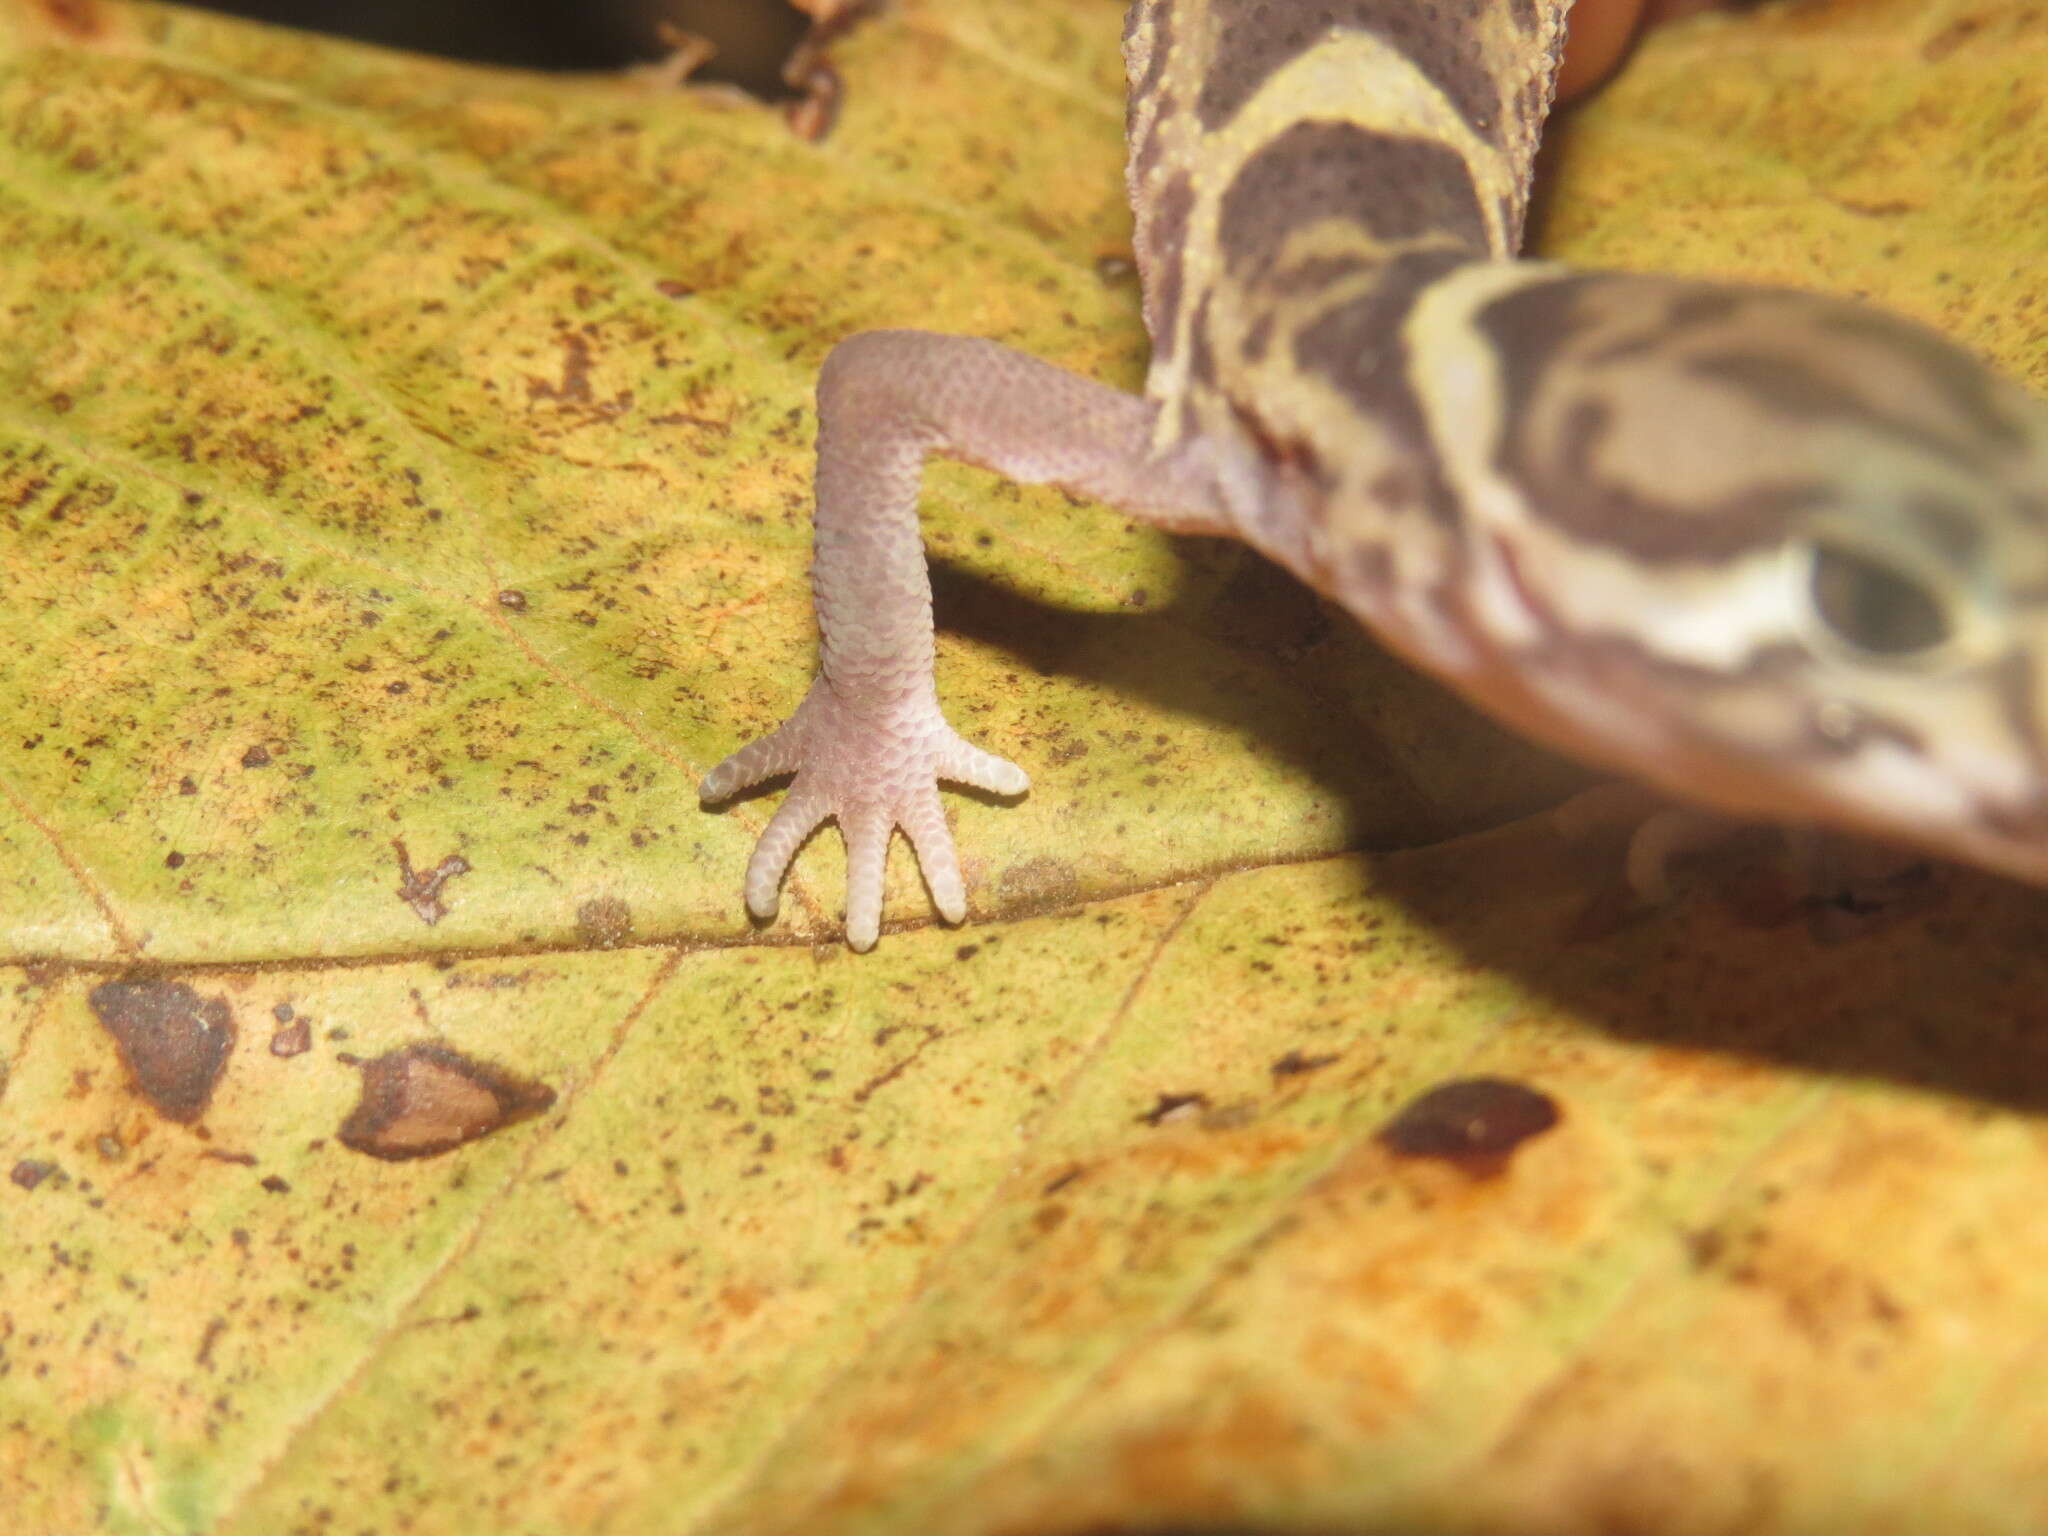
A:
1772, 552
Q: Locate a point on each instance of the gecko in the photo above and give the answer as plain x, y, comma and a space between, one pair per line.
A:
1774, 553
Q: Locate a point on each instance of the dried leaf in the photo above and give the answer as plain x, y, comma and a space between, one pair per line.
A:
393, 453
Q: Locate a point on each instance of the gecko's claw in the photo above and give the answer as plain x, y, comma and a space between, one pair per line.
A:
874, 770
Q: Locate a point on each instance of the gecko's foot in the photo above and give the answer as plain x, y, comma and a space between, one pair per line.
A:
1659, 834
874, 769
1842, 883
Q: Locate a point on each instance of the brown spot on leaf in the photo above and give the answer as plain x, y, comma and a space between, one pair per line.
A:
292, 1039
28, 1173
422, 1100
257, 756
1174, 1106
1705, 1247
174, 1043
75, 18
215, 1327
575, 383
604, 923
1040, 883
1475, 1122
889, 1074
420, 889
513, 599
1295, 1064
1950, 38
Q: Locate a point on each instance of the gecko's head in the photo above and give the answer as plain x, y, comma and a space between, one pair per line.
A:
1791, 558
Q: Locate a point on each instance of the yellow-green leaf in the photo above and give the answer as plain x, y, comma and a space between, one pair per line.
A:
403, 482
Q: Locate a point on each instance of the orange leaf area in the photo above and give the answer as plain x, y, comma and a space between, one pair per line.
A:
403, 499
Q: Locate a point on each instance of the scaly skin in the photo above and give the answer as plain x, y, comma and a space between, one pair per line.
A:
869, 743
1774, 553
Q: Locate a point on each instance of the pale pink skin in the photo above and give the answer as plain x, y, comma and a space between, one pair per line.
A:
869, 744
1531, 578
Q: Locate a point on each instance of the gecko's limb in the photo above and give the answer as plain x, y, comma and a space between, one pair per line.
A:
869, 744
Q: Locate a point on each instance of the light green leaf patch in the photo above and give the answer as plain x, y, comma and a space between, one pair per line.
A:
403, 500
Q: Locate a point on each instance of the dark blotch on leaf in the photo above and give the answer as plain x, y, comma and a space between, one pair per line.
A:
175, 1043
1475, 1122
421, 889
422, 1100
292, 1039
28, 1173
78, 18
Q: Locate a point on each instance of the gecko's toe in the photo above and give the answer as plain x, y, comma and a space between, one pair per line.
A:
960, 763
794, 820
924, 823
779, 752
867, 855
1664, 837
874, 773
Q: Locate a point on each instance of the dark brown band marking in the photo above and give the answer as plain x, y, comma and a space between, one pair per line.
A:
1399, 189
1254, 38
1800, 392
1558, 470
1356, 346
1201, 352
1970, 389
1573, 495
1162, 239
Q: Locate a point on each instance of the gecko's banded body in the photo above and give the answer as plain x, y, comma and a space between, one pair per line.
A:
1778, 553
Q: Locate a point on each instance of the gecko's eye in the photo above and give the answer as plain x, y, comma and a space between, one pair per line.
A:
1874, 607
